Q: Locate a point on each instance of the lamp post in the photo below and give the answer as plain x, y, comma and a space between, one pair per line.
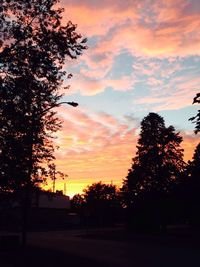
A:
27, 199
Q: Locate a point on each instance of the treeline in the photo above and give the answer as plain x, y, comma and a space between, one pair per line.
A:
160, 188
99, 205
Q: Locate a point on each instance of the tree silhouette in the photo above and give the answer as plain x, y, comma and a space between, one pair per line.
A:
101, 202
155, 169
194, 165
77, 202
34, 46
33, 49
196, 119
192, 188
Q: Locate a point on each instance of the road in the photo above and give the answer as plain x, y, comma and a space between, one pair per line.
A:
116, 253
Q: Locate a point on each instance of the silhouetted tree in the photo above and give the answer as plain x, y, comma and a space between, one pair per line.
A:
33, 49
155, 169
194, 165
34, 46
101, 201
192, 188
196, 119
77, 203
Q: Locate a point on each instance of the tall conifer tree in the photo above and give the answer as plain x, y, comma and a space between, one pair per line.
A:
155, 168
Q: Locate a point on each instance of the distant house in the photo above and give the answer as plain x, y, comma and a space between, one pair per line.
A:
49, 210
51, 201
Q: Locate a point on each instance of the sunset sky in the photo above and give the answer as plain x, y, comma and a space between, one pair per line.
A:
143, 56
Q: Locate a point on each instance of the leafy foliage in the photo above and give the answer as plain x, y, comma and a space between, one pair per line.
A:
192, 187
159, 158
99, 203
33, 48
196, 119
156, 167
194, 165
78, 205
100, 193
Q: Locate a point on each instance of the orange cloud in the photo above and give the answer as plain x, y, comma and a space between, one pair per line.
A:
96, 18
93, 147
96, 147
162, 28
90, 86
190, 141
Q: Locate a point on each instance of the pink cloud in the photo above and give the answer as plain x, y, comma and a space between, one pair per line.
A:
91, 86
154, 82
96, 18
169, 31
105, 119
180, 94
174, 93
162, 29
96, 147
163, 41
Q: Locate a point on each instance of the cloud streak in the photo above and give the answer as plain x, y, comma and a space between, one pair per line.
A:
151, 28
144, 29
94, 147
98, 146
143, 50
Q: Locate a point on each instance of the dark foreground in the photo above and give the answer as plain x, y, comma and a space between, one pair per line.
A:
108, 247
38, 257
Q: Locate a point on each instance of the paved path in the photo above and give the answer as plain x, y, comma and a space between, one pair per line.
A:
115, 253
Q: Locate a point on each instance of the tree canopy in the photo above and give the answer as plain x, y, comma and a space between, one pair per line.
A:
159, 157
33, 48
196, 119
155, 170
99, 203
193, 171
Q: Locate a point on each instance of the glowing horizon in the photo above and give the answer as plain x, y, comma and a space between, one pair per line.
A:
143, 56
